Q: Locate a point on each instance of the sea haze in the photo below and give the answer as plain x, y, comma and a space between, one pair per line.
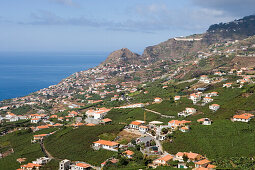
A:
24, 73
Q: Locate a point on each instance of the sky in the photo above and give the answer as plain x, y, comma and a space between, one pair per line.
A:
107, 25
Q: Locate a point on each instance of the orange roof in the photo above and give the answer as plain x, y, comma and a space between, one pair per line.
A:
41, 135
54, 116
166, 158
214, 92
191, 155
107, 120
144, 127
243, 116
90, 124
201, 120
215, 105
135, 123
43, 127
129, 152
202, 168
58, 124
35, 119
180, 154
74, 113
83, 165
211, 166
157, 98
184, 128
11, 114
30, 165
202, 162
105, 142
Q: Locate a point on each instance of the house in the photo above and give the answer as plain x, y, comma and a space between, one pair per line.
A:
40, 137
129, 154
42, 127
157, 100
190, 156
214, 93
64, 164
73, 114
205, 121
204, 79
187, 112
104, 144
207, 99
80, 166
11, 117
214, 107
106, 121
184, 129
227, 85
30, 166
162, 161
143, 129
54, 116
176, 98
97, 114
202, 163
195, 97
135, 125
146, 140
35, 120
41, 161
246, 117
177, 123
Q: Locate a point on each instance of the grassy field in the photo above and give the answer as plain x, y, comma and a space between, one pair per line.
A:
128, 115
75, 144
20, 141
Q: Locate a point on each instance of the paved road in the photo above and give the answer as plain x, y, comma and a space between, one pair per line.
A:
166, 116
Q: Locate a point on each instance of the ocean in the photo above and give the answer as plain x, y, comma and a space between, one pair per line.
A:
24, 73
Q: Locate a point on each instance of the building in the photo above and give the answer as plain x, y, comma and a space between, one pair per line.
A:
64, 164
184, 129
205, 121
129, 154
163, 161
207, 99
104, 144
35, 120
30, 166
135, 125
97, 114
195, 97
214, 107
187, 112
177, 123
157, 100
176, 98
204, 79
80, 166
39, 137
136, 105
227, 85
246, 117
143, 129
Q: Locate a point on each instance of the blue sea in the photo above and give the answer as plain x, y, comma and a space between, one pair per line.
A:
24, 73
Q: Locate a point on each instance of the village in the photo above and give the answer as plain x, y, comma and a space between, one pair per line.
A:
86, 99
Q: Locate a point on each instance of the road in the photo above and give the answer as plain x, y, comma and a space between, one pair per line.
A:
166, 116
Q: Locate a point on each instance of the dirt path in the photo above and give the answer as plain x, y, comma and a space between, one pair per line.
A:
166, 116
45, 151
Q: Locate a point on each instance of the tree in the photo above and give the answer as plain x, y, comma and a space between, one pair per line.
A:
164, 130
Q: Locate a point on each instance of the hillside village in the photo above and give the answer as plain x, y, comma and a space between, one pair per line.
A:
177, 113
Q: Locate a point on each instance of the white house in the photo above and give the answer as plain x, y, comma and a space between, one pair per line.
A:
80, 166
97, 114
108, 145
163, 160
195, 97
184, 129
246, 117
143, 129
204, 79
177, 98
157, 100
187, 112
214, 107
227, 85
205, 121
35, 120
64, 164
207, 99
135, 125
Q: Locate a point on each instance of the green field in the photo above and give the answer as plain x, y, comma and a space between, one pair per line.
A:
75, 144
20, 141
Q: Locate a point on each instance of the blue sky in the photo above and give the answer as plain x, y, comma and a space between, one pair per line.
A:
107, 25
